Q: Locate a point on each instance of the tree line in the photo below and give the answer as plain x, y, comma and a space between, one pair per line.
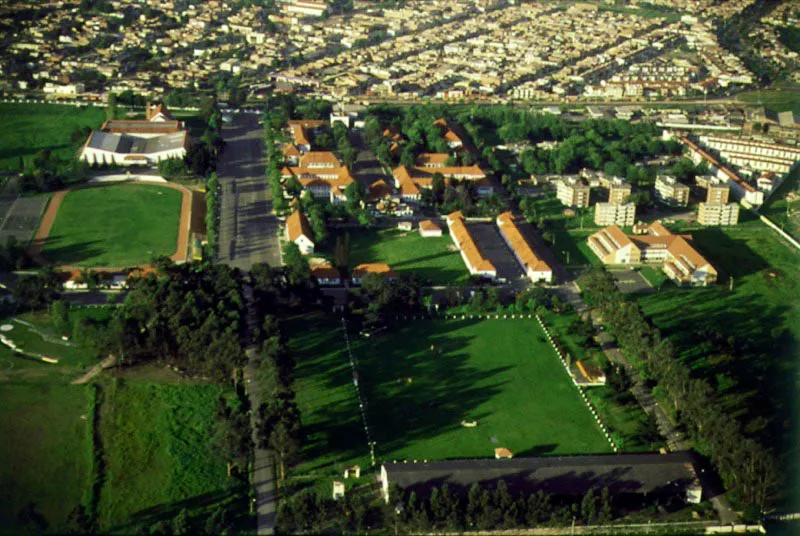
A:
744, 464
442, 508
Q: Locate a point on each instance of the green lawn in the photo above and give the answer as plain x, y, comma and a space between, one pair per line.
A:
325, 395
435, 259
45, 427
778, 99
551, 209
500, 373
158, 450
29, 128
780, 210
572, 249
118, 225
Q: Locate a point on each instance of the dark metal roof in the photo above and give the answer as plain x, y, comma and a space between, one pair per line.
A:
126, 144
560, 475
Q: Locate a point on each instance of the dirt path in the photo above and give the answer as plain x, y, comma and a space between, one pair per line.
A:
95, 370
49, 217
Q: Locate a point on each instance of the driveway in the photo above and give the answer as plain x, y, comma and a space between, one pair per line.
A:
248, 230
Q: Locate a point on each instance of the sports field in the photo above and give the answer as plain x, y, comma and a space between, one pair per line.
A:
118, 225
406, 251
421, 380
29, 128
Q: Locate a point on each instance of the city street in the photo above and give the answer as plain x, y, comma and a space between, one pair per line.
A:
248, 231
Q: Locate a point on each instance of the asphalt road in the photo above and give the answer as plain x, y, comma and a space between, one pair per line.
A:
248, 235
248, 231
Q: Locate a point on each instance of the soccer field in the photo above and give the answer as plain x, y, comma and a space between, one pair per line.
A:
118, 225
421, 380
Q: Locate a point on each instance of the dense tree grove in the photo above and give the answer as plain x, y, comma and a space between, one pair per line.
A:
190, 315
745, 465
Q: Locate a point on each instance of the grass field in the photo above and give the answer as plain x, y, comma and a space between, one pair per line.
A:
325, 395
45, 448
117, 225
155, 437
500, 373
782, 211
778, 99
159, 453
571, 248
407, 251
29, 128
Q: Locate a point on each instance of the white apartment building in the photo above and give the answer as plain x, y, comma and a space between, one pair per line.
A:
623, 215
718, 214
671, 191
573, 192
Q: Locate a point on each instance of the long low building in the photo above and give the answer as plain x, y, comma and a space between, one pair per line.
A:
476, 262
744, 192
536, 268
627, 476
410, 181
680, 261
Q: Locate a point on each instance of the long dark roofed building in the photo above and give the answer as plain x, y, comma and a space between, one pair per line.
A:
632, 476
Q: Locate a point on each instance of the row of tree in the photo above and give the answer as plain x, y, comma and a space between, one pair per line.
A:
441, 509
744, 464
212, 213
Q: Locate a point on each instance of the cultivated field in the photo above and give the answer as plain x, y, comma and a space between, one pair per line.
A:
118, 225
421, 380
406, 251
23, 135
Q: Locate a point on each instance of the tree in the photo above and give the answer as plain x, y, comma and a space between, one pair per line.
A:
437, 188
31, 519
606, 507
355, 193
589, 507
342, 251
297, 269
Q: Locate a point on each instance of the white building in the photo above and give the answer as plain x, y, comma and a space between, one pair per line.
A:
671, 191
606, 214
718, 214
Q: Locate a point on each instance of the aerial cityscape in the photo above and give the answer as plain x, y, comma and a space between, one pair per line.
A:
400, 267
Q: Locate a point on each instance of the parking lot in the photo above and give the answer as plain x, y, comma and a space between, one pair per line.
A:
631, 282
491, 244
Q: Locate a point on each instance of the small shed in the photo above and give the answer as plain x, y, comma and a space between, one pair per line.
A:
354, 471
405, 225
429, 228
338, 490
503, 453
